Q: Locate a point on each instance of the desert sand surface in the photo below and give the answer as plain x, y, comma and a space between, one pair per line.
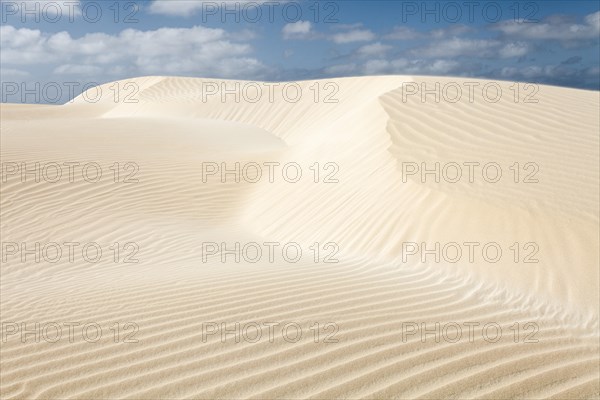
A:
362, 204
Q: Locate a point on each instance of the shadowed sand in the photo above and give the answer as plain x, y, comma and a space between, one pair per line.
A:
369, 213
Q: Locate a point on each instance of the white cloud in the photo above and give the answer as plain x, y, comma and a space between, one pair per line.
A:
11, 73
410, 66
452, 30
403, 33
347, 27
485, 48
373, 50
537, 72
184, 8
75, 69
297, 30
373, 67
196, 50
44, 10
342, 33
517, 49
179, 8
406, 33
458, 47
341, 69
593, 71
442, 67
355, 35
555, 28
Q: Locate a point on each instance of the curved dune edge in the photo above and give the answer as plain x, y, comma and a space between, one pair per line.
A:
369, 294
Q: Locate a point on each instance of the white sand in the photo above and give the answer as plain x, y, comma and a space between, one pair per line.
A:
369, 214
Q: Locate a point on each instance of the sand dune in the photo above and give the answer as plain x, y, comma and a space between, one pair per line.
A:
164, 204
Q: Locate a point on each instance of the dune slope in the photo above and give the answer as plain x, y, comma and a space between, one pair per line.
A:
363, 210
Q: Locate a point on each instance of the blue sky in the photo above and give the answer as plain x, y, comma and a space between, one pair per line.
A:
551, 42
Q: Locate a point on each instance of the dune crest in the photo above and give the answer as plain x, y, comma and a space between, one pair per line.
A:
362, 136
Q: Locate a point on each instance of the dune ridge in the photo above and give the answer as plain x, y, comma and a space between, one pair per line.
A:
369, 213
